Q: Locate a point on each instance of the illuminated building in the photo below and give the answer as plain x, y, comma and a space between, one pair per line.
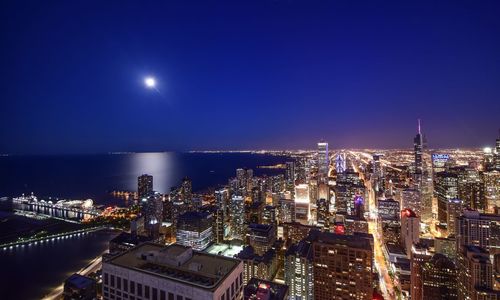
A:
410, 198
79, 287
261, 237
152, 209
245, 179
299, 269
186, 192
454, 207
491, 181
359, 206
342, 266
258, 266
475, 274
418, 144
153, 271
286, 211
295, 232
348, 186
340, 163
420, 255
410, 230
290, 173
439, 162
144, 185
323, 160
355, 224
254, 212
471, 189
446, 188
446, 246
439, 278
221, 214
388, 209
237, 213
194, 229
482, 230
377, 173
269, 215
323, 214
497, 154
258, 289
302, 203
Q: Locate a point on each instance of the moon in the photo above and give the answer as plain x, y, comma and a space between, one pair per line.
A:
150, 82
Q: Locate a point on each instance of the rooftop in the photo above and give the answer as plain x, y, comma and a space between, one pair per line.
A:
178, 263
356, 240
258, 289
80, 281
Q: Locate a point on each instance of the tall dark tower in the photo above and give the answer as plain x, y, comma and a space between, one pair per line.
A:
497, 152
144, 185
418, 144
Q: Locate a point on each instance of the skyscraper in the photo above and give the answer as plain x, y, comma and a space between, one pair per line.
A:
194, 229
439, 278
446, 189
237, 211
299, 269
323, 160
418, 144
343, 266
152, 209
144, 185
410, 230
290, 173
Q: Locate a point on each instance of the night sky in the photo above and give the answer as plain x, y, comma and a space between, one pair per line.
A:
246, 74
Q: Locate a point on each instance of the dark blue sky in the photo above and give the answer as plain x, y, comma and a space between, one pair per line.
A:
246, 74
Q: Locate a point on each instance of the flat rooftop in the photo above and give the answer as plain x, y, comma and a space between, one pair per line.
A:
177, 263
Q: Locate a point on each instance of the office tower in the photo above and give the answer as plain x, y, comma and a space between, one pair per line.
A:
377, 173
323, 214
144, 185
153, 271
439, 278
302, 203
491, 183
355, 224
439, 162
359, 206
340, 162
194, 229
259, 266
237, 212
245, 179
347, 187
269, 215
261, 237
253, 212
290, 173
454, 207
482, 230
295, 232
497, 154
471, 189
221, 214
186, 192
323, 192
418, 144
258, 289
410, 229
152, 210
388, 209
475, 274
286, 211
79, 287
410, 198
299, 269
420, 255
343, 266
323, 160
446, 188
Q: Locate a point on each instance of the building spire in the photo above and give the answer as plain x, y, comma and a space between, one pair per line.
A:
418, 126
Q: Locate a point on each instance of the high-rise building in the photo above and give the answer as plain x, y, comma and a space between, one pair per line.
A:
302, 203
439, 278
446, 189
388, 209
347, 187
221, 214
410, 230
377, 173
194, 229
186, 192
261, 237
153, 271
152, 210
286, 211
491, 183
323, 160
410, 198
323, 214
454, 209
418, 147
475, 274
343, 266
497, 154
290, 173
144, 185
471, 189
259, 266
482, 230
237, 212
439, 162
299, 274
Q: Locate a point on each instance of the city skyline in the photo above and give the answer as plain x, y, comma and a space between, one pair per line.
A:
230, 76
